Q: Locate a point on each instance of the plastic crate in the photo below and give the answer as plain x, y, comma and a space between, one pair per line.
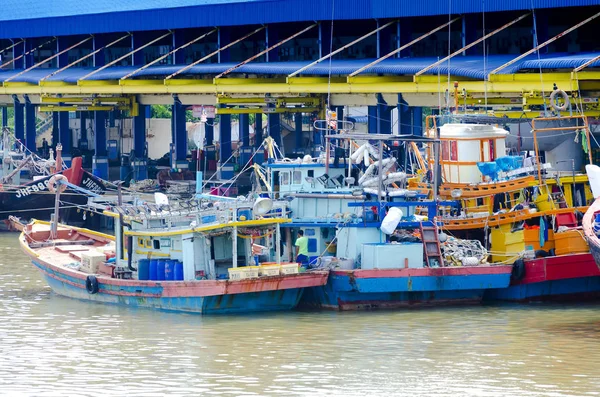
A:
289, 268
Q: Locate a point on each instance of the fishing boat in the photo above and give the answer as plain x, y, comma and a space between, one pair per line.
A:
173, 258
34, 199
372, 265
529, 214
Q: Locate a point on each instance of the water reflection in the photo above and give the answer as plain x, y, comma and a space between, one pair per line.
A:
50, 345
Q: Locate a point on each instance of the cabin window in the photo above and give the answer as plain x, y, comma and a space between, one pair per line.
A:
311, 173
445, 150
284, 178
148, 243
492, 150
453, 151
297, 177
140, 242
156, 244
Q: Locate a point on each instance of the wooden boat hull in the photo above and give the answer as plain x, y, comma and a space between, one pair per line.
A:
202, 296
558, 278
403, 288
281, 292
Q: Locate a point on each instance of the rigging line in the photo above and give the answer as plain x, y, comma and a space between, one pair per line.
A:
535, 45
485, 79
449, 47
330, 51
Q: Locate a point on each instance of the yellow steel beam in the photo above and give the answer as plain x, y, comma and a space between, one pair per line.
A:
498, 85
265, 110
93, 100
279, 101
77, 108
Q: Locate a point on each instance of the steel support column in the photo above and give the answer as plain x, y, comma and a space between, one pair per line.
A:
83, 139
19, 119
140, 167
258, 134
274, 126
100, 160
244, 137
417, 120
64, 136
17, 55
98, 44
298, 132
54, 129
137, 57
30, 125
404, 117
372, 119
272, 37
225, 163
469, 33
4, 116
180, 134
244, 129
384, 116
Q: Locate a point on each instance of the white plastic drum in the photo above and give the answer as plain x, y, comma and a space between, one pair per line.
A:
464, 145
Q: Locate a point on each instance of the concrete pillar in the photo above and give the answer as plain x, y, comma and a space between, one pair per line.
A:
372, 119
140, 166
30, 125
225, 163
4, 116
100, 161
298, 133
180, 134
19, 119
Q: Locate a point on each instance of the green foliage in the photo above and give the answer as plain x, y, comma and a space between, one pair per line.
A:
161, 111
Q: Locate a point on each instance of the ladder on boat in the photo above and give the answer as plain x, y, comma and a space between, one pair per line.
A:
431, 245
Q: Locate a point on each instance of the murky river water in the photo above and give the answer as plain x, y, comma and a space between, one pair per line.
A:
55, 346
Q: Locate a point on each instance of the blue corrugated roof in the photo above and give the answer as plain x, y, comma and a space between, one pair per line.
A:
68, 17
468, 66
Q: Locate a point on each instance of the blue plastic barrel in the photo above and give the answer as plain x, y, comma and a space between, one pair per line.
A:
153, 273
144, 269
170, 270
178, 271
160, 272
246, 213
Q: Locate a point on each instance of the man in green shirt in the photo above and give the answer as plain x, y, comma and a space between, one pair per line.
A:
301, 248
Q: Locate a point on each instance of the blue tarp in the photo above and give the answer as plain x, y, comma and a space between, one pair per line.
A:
463, 66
